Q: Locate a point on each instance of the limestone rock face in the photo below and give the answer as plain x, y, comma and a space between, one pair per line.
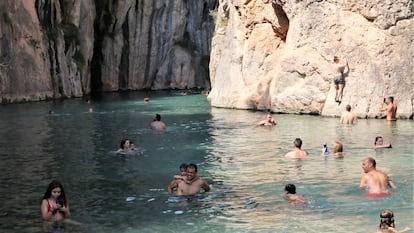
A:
277, 55
154, 44
22, 47
68, 48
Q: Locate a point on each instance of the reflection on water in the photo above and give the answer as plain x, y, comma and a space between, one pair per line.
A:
244, 163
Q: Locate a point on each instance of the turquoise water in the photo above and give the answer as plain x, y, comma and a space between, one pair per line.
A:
244, 164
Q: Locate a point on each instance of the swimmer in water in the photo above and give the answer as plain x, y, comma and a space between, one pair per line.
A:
387, 224
268, 121
54, 205
178, 178
290, 192
337, 150
297, 152
157, 124
194, 183
125, 146
376, 182
379, 143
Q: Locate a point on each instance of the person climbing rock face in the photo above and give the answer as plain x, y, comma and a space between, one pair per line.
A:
339, 68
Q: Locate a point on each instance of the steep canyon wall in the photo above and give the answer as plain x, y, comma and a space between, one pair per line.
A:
68, 48
277, 55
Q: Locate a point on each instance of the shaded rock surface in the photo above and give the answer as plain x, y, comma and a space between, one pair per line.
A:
68, 48
277, 55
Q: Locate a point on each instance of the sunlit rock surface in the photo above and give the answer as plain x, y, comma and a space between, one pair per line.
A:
277, 55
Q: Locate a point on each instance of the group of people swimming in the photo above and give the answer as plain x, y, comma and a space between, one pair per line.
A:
375, 182
127, 145
54, 205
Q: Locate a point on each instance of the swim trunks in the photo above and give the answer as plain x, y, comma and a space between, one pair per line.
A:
340, 79
378, 194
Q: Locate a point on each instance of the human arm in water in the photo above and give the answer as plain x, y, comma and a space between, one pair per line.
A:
205, 186
172, 186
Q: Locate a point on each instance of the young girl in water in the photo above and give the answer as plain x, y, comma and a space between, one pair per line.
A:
54, 204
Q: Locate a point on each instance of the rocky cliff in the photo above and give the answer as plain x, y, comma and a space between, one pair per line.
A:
68, 48
277, 55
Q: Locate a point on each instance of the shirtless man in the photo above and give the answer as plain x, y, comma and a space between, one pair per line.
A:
348, 117
269, 121
290, 192
178, 179
339, 80
157, 124
193, 184
297, 152
390, 109
375, 181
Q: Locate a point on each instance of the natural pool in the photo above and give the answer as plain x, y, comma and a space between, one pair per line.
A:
244, 164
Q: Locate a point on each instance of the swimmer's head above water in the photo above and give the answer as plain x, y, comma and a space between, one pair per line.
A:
290, 188
386, 219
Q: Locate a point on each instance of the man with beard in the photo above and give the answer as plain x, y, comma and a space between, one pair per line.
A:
193, 184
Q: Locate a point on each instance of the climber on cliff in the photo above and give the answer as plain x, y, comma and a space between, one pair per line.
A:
339, 67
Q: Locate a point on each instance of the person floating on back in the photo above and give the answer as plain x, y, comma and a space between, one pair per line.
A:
379, 143
297, 152
290, 192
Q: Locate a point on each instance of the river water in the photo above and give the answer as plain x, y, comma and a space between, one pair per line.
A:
244, 164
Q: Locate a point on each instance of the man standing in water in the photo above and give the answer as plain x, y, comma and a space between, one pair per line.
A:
376, 182
157, 124
390, 108
297, 152
268, 121
339, 79
348, 117
193, 184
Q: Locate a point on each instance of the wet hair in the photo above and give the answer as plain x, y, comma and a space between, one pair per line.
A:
290, 188
183, 166
192, 165
376, 139
348, 107
122, 143
386, 219
55, 184
371, 161
298, 143
391, 98
157, 117
338, 147
335, 58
